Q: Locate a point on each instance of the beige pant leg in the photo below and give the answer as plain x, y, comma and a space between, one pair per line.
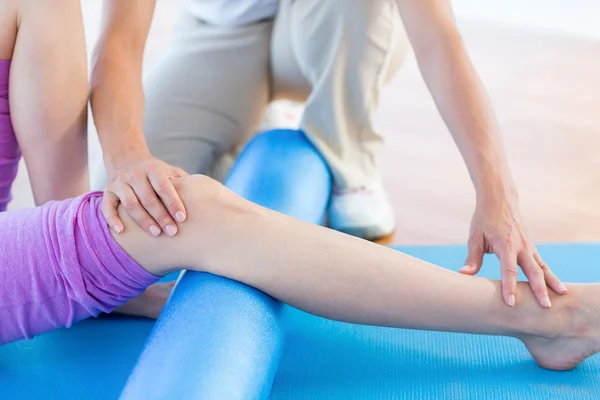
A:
337, 54
206, 95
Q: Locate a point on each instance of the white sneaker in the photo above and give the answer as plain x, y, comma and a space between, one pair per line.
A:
282, 114
364, 212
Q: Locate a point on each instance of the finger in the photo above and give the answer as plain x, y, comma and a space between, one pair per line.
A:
551, 279
180, 173
510, 273
536, 278
135, 209
168, 195
153, 205
474, 258
110, 202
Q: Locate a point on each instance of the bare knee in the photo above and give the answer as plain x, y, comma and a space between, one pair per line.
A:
207, 199
194, 188
209, 206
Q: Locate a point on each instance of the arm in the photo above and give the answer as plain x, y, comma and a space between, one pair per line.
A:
466, 109
135, 178
117, 93
48, 96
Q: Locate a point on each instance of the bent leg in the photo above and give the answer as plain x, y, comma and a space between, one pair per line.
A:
339, 54
48, 97
208, 93
344, 51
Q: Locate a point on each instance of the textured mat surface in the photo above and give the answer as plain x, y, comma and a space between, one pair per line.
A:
324, 359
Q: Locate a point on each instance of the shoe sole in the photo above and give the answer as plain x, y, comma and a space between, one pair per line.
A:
370, 233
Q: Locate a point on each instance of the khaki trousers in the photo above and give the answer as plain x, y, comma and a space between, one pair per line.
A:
207, 95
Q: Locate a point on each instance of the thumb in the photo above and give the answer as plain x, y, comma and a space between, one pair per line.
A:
474, 259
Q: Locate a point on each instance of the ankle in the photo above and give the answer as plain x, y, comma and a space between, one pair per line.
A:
573, 319
560, 321
567, 333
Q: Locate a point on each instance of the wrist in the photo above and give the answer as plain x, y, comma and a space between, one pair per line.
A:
496, 188
125, 153
491, 176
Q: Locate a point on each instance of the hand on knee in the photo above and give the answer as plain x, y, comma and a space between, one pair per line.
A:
212, 212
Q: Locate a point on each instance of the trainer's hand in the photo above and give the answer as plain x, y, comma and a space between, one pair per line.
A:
497, 228
143, 185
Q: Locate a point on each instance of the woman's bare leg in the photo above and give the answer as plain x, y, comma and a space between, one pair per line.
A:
48, 96
340, 277
148, 304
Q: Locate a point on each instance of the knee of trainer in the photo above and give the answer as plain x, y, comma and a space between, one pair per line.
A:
359, 28
366, 12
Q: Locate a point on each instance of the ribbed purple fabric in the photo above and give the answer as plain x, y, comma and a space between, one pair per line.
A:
10, 153
59, 264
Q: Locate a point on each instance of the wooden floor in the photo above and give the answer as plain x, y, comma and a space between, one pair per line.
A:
547, 93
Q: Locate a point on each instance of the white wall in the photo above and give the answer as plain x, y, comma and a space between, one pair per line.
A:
568, 17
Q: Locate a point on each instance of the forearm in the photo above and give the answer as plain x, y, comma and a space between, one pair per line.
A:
467, 111
458, 93
117, 92
135, 178
117, 102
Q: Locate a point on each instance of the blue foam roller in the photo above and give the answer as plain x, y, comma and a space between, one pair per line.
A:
216, 338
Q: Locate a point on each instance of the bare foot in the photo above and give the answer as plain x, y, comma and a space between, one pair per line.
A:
575, 334
148, 304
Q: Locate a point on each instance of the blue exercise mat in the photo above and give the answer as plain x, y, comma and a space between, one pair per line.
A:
323, 359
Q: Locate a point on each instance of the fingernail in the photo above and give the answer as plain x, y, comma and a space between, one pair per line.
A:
180, 216
546, 302
562, 288
154, 230
117, 228
465, 268
511, 300
170, 229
